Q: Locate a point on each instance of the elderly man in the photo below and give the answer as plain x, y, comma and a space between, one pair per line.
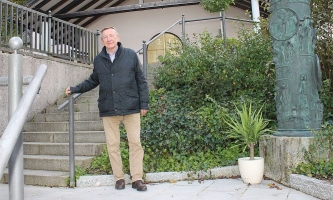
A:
123, 96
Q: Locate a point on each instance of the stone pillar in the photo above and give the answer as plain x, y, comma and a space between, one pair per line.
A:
281, 155
298, 74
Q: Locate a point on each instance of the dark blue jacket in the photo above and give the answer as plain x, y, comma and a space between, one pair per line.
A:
123, 89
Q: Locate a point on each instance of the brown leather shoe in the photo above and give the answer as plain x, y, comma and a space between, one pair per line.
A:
139, 185
120, 184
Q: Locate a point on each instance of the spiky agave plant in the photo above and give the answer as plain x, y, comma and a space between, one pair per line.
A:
246, 127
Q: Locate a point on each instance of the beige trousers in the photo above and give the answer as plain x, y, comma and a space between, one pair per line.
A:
112, 133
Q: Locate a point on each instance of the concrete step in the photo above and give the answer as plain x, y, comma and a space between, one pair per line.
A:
63, 126
64, 116
80, 99
42, 178
63, 137
54, 163
81, 107
62, 149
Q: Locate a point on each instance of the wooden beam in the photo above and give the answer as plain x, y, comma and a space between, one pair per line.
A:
96, 17
127, 8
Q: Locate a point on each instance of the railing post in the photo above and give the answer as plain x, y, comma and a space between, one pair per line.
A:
97, 42
224, 27
183, 27
71, 143
49, 32
15, 82
144, 49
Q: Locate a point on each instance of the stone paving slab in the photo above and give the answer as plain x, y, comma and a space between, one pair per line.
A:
226, 189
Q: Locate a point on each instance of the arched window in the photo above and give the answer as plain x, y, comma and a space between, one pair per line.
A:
159, 46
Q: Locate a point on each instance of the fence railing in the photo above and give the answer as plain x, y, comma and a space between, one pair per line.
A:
43, 34
182, 22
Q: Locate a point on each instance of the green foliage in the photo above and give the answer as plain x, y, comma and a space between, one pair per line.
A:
239, 69
319, 156
216, 5
101, 164
322, 13
247, 127
326, 94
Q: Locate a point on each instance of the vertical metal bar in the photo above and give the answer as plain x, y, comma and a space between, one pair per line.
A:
79, 44
21, 22
11, 14
31, 30
36, 32
49, 29
64, 39
17, 19
224, 27
86, 34
58, 37
144, 48
73, 44
62, 35
26, 28
6, 22
96, 43
71, 142
15, 82
89, 47
183, 27
44, 38
1, 15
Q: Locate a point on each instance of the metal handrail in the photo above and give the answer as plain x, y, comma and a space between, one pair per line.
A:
154, 38
17, 121
67, 102
70, 101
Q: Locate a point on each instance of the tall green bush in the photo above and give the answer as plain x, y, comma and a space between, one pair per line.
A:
241, 68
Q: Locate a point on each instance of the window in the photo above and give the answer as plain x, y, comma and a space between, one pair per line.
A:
159, 46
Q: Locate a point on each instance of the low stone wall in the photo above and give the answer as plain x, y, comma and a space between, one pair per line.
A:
318, 188
60, 74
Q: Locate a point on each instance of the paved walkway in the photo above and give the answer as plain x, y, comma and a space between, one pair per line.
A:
221, 189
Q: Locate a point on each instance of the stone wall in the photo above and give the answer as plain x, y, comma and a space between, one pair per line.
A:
60, 74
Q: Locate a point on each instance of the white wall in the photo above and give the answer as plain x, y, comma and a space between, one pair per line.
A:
136, 26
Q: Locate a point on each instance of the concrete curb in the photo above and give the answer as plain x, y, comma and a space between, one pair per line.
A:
314, 187
107, 180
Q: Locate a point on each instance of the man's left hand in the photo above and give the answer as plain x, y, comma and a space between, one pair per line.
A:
143, 112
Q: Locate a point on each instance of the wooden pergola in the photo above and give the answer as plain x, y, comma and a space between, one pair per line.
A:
83, 13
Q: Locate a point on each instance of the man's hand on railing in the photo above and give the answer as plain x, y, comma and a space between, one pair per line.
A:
68, 91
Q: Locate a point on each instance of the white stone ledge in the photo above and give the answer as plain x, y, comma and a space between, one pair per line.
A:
107, 180
314, 187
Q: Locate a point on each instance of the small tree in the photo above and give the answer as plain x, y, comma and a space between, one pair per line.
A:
247, 127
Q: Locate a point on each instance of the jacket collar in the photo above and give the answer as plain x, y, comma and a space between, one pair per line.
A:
105, 54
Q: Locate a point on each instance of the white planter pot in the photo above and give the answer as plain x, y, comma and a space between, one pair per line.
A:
251, 171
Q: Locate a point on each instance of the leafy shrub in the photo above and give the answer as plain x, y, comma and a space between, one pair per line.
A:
240, 69
319, 156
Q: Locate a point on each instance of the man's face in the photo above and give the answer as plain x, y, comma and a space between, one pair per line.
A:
110, 38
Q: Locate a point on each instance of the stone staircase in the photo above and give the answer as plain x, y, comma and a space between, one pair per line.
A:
46, 136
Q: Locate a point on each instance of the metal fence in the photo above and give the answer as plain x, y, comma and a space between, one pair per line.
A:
45, 35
